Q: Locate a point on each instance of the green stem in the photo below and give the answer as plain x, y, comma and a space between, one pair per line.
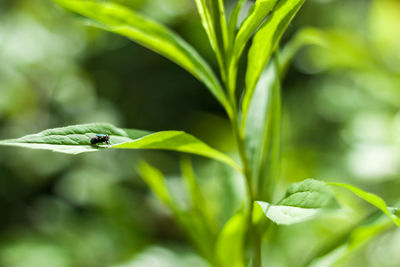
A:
251, 229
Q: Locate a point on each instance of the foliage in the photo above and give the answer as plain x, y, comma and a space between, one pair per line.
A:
256, 122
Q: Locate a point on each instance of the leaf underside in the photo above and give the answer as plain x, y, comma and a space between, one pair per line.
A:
302, 202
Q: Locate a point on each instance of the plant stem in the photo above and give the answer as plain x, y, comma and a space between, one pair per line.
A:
240, 140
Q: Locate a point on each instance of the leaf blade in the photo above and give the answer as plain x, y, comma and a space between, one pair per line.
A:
302, 202
75, 139
229, 245
233, 21
118, 19
214, 27
372, 199
286, 215
262, 130
264, 44
177, 141
260, 10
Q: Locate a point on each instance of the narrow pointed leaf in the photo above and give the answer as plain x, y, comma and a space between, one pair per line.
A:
198, 201
76, 139
192, 225
259, 12
233, 21
373, 200
123, 21
213, 21
220, 26
156, 181
263, 130
207, 23
264, 44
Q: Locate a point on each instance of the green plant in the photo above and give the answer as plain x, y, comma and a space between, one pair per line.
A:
255, 119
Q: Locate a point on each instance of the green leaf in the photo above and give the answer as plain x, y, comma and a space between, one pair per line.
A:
156, 181
362, 235
302, 202
192, 225
206, 21
344, 245
233, 21
286, 215
177, 141
199, 204
219, 20
121, 20
76, 139
215, 27
372, 199
264, 44
259, 11
229, 246
263, 130
309, 193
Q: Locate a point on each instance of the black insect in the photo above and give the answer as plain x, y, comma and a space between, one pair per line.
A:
100, 138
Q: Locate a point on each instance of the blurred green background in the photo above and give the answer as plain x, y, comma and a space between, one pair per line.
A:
341, 123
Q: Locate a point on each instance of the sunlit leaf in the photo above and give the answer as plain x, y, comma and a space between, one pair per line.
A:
206, 21
177, 141
212, 14
220, 26
121, 20
76, 139
258, 13
229, 246
372, 199
264, 44
302, 202
233, 21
